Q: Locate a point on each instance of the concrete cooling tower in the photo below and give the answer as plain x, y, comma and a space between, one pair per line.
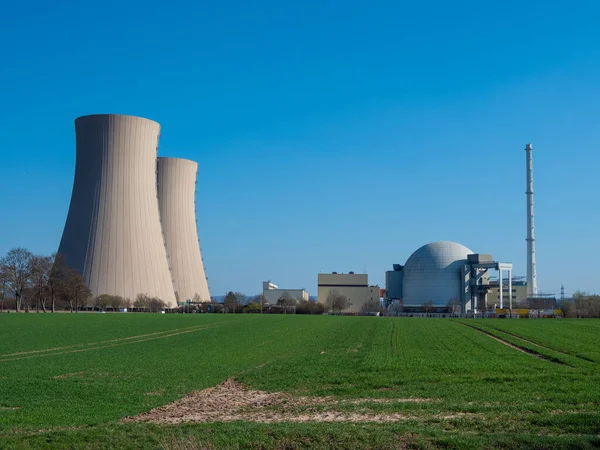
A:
113, 235
176, 200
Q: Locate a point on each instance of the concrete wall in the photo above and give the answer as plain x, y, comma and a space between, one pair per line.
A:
176, 201
112, 235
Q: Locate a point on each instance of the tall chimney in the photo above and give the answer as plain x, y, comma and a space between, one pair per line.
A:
531, 272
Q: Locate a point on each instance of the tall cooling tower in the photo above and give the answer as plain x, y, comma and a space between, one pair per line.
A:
113, 234
176, 200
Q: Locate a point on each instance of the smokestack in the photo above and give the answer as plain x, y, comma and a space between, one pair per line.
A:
531, 272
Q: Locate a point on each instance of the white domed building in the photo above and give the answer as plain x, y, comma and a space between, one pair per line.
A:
432, 274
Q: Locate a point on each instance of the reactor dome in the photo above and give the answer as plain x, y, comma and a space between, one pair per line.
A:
432, 274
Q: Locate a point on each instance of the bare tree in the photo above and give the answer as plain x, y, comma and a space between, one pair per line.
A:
427, 307
454, 305
73, 289
286, 300
3, 287
396, 307
157, 304
41, 270
336, 302
142, 301
371, 306
117, 302
196, 298
230, 302
102, 301
241, 298
586, 305
17, 266
58, 280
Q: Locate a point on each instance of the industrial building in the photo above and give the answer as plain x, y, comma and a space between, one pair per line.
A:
272, 293
445, 277
519, 291
355, 287
177, 206
113, 234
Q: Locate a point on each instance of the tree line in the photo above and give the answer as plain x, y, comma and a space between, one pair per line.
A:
45, 283
583, 306
40, 282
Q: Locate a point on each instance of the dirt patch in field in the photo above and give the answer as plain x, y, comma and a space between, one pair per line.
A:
231, 401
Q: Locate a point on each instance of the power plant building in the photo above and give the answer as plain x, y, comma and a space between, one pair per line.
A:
355, 287
113, 234
177, 206
273, 293
443, 276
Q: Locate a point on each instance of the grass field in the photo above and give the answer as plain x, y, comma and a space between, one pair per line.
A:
68, 380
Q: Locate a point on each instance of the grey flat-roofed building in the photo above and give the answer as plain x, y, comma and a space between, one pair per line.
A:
354, 286
177, 204
113, 234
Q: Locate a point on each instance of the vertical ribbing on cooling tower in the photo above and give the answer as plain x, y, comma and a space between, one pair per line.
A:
177, 199
531, 269
112, 235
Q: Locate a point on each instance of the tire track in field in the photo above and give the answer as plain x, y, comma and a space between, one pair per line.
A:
393, 339
544, 346
114, 344
51, 349
518, 348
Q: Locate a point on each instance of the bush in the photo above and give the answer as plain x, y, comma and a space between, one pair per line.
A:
308, 307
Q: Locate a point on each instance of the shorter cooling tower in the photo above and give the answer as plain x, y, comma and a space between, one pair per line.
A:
176, 199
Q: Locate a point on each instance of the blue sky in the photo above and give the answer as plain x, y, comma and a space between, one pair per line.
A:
330, 135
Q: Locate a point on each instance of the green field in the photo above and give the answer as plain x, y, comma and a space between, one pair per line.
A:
68, 380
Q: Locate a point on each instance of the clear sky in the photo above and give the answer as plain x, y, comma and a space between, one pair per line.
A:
330, 135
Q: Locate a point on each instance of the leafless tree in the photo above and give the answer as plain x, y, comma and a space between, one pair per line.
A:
145, 301
102, 301
4, 288
286, 301
58, 279
371, 306
142, 301
396, 307
586, 305
41, 270
241, 298
117, 301
17, 266
336, 302
427, 307
454, 305
196, 298
230, 302
73, 289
